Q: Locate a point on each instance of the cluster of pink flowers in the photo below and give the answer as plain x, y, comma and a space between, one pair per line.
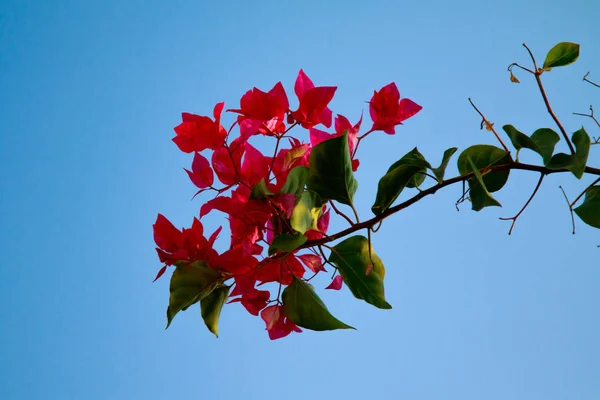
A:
239, 167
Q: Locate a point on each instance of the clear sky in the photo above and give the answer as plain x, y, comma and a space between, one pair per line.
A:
89, 94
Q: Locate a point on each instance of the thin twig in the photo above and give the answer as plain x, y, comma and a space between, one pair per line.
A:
510, 67
537, 74
588, 81
590, 115
514, 219
490, 127
570, 208
582, 193
338, 212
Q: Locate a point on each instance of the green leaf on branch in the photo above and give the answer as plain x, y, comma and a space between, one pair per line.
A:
440, 171
400, 175
260, 191
362, 271
479, 194
520, 140
589, 210
302, 305
414, 157
484, 156
190, 283
574, 162
296, 180
306, 212
211, 306
331, 173
286, 243
562, 54
545, 139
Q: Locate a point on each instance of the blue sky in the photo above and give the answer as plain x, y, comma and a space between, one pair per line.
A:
90, 92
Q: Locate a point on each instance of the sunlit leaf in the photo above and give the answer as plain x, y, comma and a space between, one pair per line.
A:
361, 269
302, 305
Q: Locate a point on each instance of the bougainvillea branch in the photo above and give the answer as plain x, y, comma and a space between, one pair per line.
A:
278, 206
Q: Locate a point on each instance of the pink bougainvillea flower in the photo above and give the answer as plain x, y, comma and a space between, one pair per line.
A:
278, 325
186, 245
253, 300
280, 270
387, 110
197, 133
312, 109
262, 112
227, 162
201, 174
336, 283
247, 218
255, 166
286, 160
313, 262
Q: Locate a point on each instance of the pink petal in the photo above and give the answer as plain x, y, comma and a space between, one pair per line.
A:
220, 203
313, 262
407, 109
160, 273
317, 136
303, 83
336, 283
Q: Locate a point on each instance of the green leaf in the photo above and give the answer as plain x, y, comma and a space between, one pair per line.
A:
582, 143
414, 157
440, 171
331, 170
211, 306
483, 156
363, 273
479, 194
189, 284
545, 139
296, 180
398, 176
306, 212
260, 191
302, 305
589, 210
562, 54
286, 243
520, 140
575, 163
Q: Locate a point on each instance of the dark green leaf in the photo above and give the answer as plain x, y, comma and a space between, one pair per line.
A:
520, 140
211, 306
414, 157
441, 170
575, 163
296, 180
589, 210
286, 243
302, 305
562, 54
398, 176
361, 271
189, 284
306, 212
260, 191
582, 143
479, 194
484, 156
331, 170
545, 139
